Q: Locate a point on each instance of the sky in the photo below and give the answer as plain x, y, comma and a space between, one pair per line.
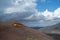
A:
51, 5
33, 13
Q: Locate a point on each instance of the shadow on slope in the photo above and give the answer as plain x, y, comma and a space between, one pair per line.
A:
55, 36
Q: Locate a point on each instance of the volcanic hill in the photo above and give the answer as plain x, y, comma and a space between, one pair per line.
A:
12, 30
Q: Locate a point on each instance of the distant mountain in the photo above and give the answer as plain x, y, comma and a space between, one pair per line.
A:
11, 30
36, 28
51, 29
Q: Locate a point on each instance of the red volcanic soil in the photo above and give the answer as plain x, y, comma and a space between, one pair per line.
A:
21, 33
7, 34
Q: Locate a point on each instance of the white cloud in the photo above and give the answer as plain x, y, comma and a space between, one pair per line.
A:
28, 18
46, 15
44, 18
21, 9
57, 13
21, 6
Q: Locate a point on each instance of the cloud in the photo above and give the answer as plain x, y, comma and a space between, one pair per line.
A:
4, 4
20, 9
45, 15
21, 6
57, 13
26, 10
45, 18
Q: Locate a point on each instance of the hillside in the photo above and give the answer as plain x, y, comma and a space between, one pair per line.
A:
51, 29
16, 31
